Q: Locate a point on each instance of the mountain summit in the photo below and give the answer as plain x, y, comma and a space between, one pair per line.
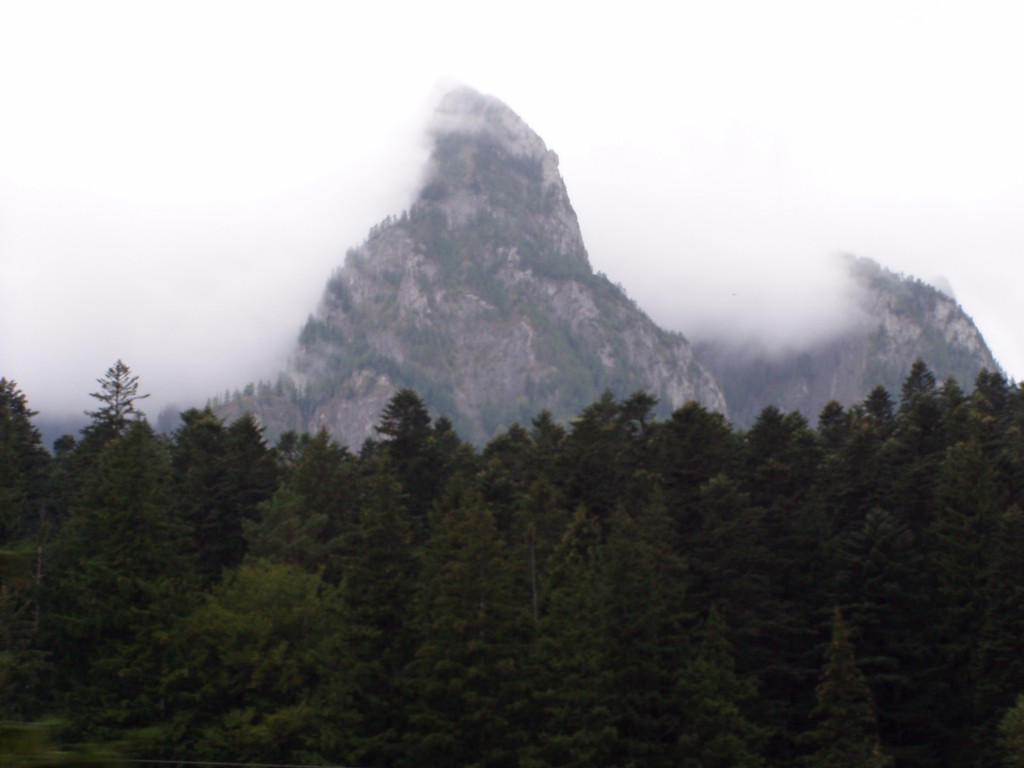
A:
481, 297
895, 320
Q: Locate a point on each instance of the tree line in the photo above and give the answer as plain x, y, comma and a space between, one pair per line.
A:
617, 590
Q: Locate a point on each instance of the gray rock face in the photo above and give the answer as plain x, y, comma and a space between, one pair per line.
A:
899, 320
482, 298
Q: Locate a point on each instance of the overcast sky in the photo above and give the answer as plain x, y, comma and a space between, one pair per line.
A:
177, 180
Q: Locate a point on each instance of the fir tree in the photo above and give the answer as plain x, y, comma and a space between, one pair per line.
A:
846, 735
119, 391
716, 731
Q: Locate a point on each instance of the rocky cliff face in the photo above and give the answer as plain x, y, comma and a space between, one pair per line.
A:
898, 320
481, 297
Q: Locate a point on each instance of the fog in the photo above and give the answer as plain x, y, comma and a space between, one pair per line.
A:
177, 182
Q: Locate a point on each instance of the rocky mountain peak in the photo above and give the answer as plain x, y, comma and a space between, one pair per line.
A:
469, 112
489, 167
481, 298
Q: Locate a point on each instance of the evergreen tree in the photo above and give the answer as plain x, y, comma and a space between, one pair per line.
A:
597, 475
464, 678
24, 462
288, 532
201, 493
882, 585
728, 562
879, 408
645, 621
23, 531
782, 461
407, 438
119, 391
693, 446
118, 579
379, 570
960, 541
325, 475
260, 676
919, 444
573, 660
846, 735
716, 732
998, 666
221, 474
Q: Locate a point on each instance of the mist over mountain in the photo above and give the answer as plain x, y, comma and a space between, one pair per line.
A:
893, 320
482, 298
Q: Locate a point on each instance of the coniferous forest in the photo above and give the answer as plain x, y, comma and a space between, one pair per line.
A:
619, 590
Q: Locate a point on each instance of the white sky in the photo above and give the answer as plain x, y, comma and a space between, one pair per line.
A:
177, 180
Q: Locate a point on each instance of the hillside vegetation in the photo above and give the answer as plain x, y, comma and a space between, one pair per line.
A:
615, 589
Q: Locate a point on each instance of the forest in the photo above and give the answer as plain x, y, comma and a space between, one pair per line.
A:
617, 590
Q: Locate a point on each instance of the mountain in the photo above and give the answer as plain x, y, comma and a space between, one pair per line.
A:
897, 320
481, 297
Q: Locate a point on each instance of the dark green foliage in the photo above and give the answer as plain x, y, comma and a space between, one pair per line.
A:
120, 574
220, 477
1011, 735
618, 590
846, 732
259, 677
24, 528
716, 731
881, 584
23, 467
463, 682
573, 664
644, 621
380, 570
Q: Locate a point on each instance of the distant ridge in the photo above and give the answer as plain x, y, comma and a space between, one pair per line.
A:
899, 319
